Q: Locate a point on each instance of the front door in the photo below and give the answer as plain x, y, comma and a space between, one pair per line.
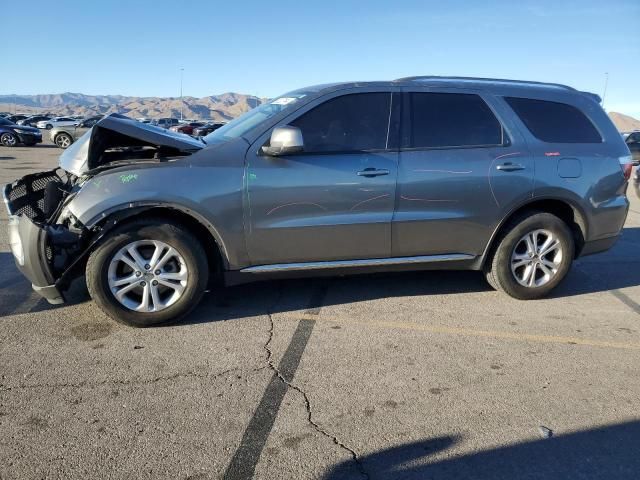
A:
333, 201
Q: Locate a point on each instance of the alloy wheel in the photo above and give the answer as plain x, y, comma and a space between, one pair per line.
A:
63, 141
536, 258
8, 140
147, 276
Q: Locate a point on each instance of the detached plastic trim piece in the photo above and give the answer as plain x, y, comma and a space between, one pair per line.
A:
50, 293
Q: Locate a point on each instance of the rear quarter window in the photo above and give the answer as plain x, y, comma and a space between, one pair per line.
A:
554, 122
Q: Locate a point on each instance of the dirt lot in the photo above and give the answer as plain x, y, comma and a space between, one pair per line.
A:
415, 375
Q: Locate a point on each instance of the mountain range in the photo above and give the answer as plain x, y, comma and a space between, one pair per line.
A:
222, 107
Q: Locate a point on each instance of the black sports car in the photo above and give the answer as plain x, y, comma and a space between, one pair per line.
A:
12, 134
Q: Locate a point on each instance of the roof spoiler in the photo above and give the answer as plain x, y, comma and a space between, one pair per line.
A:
593, 96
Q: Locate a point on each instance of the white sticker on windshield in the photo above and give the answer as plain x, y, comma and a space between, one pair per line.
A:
284, 100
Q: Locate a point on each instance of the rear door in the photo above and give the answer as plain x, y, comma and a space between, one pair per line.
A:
335, 200
460, 169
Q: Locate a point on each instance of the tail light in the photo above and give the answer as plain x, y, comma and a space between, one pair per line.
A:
626, 163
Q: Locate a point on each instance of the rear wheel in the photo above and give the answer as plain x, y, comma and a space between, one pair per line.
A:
532, 257
8, 140
63, 140
147, 273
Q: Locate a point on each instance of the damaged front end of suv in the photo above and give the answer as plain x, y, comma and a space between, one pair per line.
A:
48, 242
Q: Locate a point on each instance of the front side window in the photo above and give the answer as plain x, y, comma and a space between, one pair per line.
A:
554, 122
349, 123
450, 120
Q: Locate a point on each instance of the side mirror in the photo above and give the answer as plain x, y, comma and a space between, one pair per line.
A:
284, 141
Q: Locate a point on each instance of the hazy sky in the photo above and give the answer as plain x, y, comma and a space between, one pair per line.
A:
266, 48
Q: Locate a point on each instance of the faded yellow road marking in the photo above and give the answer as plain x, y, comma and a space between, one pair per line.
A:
468, 332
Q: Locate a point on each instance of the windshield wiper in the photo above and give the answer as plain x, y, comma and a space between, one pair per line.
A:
202, 140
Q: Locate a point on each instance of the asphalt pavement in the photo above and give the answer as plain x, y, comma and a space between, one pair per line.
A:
426, 375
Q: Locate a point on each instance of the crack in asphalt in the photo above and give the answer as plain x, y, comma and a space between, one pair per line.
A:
130, 382
307, 403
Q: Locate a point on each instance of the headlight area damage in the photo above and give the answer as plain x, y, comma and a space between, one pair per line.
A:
43, 249
49, 244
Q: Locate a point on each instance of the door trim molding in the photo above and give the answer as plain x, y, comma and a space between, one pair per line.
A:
370, 262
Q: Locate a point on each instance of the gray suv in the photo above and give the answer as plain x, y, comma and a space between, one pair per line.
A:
65, 136
515, 179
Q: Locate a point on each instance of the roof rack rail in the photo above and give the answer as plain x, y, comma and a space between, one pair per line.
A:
480, 79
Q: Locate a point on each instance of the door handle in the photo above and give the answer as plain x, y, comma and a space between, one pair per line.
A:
373, 172
510, 167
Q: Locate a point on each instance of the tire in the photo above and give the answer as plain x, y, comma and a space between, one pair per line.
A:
511, 264
49, 126
8, 140
63, 140
103, 264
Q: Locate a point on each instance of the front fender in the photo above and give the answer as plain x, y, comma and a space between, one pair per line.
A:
209, 197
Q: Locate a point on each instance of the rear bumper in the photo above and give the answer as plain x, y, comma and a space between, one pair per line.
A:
600, 245
29, 247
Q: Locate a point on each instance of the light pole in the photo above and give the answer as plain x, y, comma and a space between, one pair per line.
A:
606, 82
181, 76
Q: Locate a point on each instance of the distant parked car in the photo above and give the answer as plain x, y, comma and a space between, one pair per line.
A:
633, 142
12, 134
144, 120
15, 118
65, 136
33, 120
206, 129
57, 122
165, 122
186, 127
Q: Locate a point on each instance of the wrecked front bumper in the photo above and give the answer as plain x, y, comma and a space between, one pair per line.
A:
42, 251
29, 245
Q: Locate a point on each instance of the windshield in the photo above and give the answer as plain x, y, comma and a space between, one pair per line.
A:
245, 122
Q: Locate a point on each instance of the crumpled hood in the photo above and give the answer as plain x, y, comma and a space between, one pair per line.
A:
119, 132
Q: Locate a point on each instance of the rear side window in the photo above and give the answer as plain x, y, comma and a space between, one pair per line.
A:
554, 122
348, 123
439, 120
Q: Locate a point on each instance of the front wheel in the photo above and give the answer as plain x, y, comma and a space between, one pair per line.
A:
49, 126
532, 257
8, 140
148, 272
